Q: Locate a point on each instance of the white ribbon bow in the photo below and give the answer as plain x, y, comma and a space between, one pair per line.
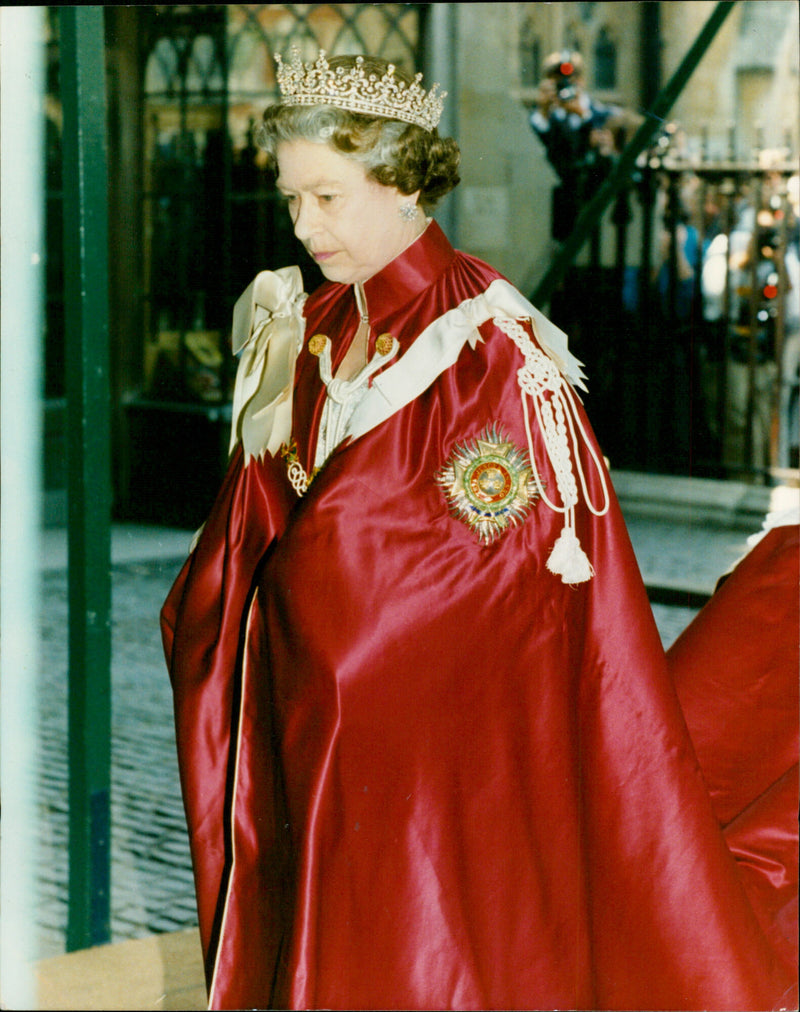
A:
268, 328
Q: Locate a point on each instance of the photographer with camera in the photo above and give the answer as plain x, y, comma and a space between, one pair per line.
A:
580, 136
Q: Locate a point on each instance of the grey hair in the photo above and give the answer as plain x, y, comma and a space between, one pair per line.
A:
318, 124
393, 153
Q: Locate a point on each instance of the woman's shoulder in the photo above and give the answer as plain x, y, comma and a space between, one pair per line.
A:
479, 271
468, 281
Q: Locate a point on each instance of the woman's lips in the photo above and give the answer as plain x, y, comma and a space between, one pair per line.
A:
323, 255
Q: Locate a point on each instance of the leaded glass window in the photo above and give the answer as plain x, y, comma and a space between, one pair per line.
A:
211, 216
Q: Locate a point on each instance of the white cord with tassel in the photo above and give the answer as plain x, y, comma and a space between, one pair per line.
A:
559, 419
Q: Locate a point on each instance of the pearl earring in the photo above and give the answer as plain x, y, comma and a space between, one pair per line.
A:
407, 212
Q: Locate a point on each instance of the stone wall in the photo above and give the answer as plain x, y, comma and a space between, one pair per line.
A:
503, 202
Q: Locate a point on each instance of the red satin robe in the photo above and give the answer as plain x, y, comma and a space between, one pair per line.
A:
735, 668
421, 771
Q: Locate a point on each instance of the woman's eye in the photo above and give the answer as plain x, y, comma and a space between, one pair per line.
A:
327, 198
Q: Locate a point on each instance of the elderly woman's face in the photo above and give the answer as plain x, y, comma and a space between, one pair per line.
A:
350, 224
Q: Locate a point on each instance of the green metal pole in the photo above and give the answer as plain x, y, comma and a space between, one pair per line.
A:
89, 486
621, 174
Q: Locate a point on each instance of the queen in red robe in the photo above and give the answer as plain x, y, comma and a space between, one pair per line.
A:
431, 754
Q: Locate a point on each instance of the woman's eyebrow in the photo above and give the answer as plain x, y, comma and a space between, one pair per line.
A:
315, 184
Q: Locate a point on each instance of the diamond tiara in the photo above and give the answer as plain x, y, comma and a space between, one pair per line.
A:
358, 91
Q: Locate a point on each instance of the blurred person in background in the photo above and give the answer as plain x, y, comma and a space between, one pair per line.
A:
580, 134
789, 422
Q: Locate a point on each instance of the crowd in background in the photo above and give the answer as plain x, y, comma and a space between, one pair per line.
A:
730, 289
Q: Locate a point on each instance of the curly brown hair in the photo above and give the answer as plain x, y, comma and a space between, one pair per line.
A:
393, 153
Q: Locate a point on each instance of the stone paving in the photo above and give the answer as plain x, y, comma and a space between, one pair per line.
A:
152, 890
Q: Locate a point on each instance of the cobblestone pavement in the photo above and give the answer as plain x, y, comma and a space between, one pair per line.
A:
152, 889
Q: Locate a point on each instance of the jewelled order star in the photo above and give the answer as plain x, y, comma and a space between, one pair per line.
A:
489, 484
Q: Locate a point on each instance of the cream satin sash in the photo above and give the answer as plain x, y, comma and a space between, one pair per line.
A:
438, 346
546, 379
268, 328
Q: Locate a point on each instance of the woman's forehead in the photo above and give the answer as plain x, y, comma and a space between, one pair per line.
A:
306, 164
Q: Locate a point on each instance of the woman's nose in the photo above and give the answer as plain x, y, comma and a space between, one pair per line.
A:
304, 219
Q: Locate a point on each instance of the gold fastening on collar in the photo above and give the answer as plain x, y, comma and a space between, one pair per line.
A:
316, 344
384, 343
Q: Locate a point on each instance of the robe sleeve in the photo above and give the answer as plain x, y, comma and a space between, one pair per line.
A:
201, 622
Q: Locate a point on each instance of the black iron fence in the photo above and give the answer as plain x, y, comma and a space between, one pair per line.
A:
691, 335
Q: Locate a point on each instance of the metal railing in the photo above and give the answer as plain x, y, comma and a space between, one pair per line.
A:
724, 283
690, 335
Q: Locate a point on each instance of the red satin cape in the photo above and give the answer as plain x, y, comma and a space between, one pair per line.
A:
736, 672
421, 771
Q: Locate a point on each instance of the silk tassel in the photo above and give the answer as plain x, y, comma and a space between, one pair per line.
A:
568, 560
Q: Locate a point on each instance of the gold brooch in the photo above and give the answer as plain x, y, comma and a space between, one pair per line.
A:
316, 344
383, 344
488, 483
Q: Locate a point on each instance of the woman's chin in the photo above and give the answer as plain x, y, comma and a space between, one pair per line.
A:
341, 275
